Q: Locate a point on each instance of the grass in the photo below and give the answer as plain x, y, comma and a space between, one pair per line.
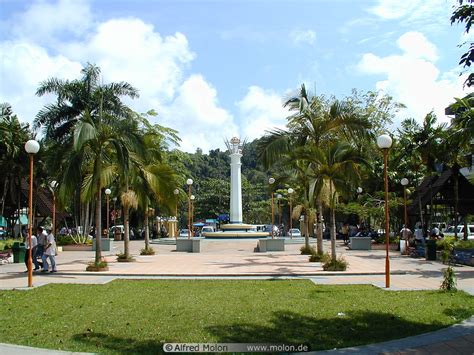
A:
138, 316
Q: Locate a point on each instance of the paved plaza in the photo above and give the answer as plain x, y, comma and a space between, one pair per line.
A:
237, 259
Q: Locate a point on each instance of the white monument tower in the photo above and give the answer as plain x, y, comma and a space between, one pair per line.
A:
235, 149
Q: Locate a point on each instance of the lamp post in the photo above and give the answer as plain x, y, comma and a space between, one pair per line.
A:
279, 197
384, 142
271, 181
53, 184
31, 147
107, 196
176, 193
404, 182
114, 215
189, 182
359, 190
192, 213
290, 191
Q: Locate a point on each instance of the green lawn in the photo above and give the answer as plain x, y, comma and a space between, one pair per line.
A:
125, 317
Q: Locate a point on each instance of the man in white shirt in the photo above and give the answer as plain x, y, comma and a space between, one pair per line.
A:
49, 252
34, 244
419, 237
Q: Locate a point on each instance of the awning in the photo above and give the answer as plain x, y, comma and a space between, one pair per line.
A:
3, 222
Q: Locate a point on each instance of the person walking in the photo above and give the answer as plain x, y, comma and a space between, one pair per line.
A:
34, 244
41, 237
49, 252
345, 233
419, 237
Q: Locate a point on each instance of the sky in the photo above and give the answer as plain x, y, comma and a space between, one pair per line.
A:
215, 69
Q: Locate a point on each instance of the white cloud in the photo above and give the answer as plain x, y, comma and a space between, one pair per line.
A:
261, 111
420, 14
196, 114
46, 22
24, 66
413, 79
303, 37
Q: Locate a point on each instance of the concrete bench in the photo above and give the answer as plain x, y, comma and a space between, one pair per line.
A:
361, 243
268, 244
106, 244
192, 245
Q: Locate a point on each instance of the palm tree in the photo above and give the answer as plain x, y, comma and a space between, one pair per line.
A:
337, 166
95, 131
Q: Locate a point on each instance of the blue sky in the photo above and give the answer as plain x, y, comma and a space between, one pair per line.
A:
213, 69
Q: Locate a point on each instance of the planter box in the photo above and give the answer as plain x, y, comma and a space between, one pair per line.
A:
361, 243
192, 245
77, 247
269, 244
96, 269
106, 244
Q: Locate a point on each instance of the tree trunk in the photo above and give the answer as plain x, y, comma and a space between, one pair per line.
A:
456, 202
320, 228
147, 230
4, 194
333, 225
126, 237
98, 216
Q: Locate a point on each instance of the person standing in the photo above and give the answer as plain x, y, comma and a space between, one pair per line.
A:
419, 237
34, 244
42, 235
345, 233
49, 252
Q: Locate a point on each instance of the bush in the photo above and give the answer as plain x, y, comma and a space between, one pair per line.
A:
307, 250
319, 257
147, 251
445, 244
123, 258
340, 264
93, 266
449, 282
73, 239
7, 244
464, 244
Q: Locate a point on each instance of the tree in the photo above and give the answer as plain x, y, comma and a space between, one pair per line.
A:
91, 123
464, 13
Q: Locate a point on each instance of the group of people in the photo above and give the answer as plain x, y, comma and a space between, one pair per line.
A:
43, 247
418, 236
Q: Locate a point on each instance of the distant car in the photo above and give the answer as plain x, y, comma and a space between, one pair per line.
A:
460, 229
183, 233
294, 232
206, 229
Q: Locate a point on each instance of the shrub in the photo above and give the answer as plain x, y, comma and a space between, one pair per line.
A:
7, 244
445, 243
449, 282
147, 251
307, 250
123, 258
340, 264
464, 244
93, 266
319, 257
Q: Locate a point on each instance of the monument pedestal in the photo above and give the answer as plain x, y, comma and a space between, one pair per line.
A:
192, 245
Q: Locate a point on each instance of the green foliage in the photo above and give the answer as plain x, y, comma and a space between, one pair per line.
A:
340, 264
323, 258
123, 257
449, 282
307, 250
147, 251
94, 265
464, 244
7, 243
464, 13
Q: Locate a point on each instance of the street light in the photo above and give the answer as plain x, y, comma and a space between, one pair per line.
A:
189, 182
384, 142
279, 197
192, 212
271, 181
53, 184
176, 193
290, 191
404, 182
359, 190
31, 147
107, 195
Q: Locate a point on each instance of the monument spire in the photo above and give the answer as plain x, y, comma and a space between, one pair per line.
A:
235, 149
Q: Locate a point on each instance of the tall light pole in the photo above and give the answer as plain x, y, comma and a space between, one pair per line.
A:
31, 147
107, 196
176, 193
404, 182
189, 182
384, 142
271, 181
279, 197
53, 184
290, 191
192, 212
